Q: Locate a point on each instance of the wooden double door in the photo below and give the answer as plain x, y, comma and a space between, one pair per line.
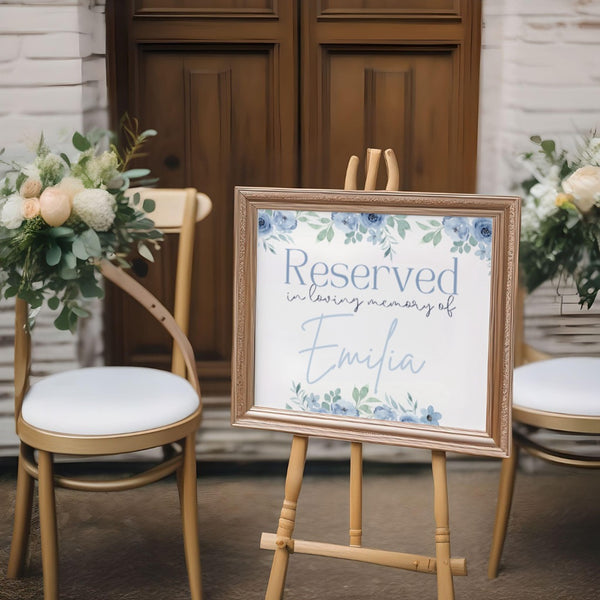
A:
281, 93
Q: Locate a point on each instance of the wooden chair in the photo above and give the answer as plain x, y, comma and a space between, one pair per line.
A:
112, 410
555, 394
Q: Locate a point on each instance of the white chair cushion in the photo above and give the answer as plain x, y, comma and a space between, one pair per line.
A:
108, 400
561, 385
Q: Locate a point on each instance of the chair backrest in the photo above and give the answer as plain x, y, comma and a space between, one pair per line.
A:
177, 210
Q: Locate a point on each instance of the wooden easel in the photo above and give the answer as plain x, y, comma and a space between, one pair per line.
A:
282, 542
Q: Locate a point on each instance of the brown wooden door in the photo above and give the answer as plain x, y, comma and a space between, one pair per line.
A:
281, 93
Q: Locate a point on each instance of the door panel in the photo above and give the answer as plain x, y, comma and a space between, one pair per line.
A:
394, 82
389, 99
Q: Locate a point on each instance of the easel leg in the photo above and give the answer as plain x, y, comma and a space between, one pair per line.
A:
445, 583
287, 520
356, 484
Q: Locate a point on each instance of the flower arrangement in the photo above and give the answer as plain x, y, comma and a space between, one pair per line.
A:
362, 404
60, 215
385, 231
560, 226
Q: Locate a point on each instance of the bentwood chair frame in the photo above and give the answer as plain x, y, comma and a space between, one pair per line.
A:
177, 211
528, 421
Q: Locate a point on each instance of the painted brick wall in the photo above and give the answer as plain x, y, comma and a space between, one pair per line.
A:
52, 73
540, 74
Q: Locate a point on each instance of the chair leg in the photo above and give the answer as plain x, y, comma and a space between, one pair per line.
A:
22, 524
48, 525
189, 509
505, 495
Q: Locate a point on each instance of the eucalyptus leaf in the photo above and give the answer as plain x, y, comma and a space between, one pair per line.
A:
63, 321
90, 289
58, 232
92, 242
145, 252
149, 205
69, 260
79, 249
134, 173
81, 142
53, 254
80, 311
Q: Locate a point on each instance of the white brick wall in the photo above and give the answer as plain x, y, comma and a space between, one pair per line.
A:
52, 79
540, 74
52, 71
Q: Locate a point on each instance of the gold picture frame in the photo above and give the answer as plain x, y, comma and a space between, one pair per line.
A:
333, 288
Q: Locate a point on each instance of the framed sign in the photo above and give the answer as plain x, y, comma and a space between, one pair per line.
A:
381, 317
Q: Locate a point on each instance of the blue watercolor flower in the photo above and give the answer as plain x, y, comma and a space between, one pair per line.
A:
457, 228
314, 405
385, 413
429, 416
484, 251
264, 223
371, 220
408, 418
344, 408
285, 220
482, 230
346, 222
375, 236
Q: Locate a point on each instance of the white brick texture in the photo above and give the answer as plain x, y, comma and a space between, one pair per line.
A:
540, 74
52, 68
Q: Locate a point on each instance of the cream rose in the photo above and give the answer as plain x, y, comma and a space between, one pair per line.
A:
55, 206
31, 208
71, 186
584, 186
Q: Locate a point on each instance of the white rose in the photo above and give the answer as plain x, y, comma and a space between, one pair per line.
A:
12, 212
32, 171
584, 186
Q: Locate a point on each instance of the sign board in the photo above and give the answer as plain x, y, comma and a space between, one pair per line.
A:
380, 317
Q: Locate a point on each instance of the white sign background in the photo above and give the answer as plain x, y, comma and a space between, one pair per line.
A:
346, 327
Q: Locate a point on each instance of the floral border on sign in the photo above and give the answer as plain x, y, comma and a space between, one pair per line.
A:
361, 404
386, 231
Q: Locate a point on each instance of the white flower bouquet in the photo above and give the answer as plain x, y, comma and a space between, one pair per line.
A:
560, 226
60, 215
